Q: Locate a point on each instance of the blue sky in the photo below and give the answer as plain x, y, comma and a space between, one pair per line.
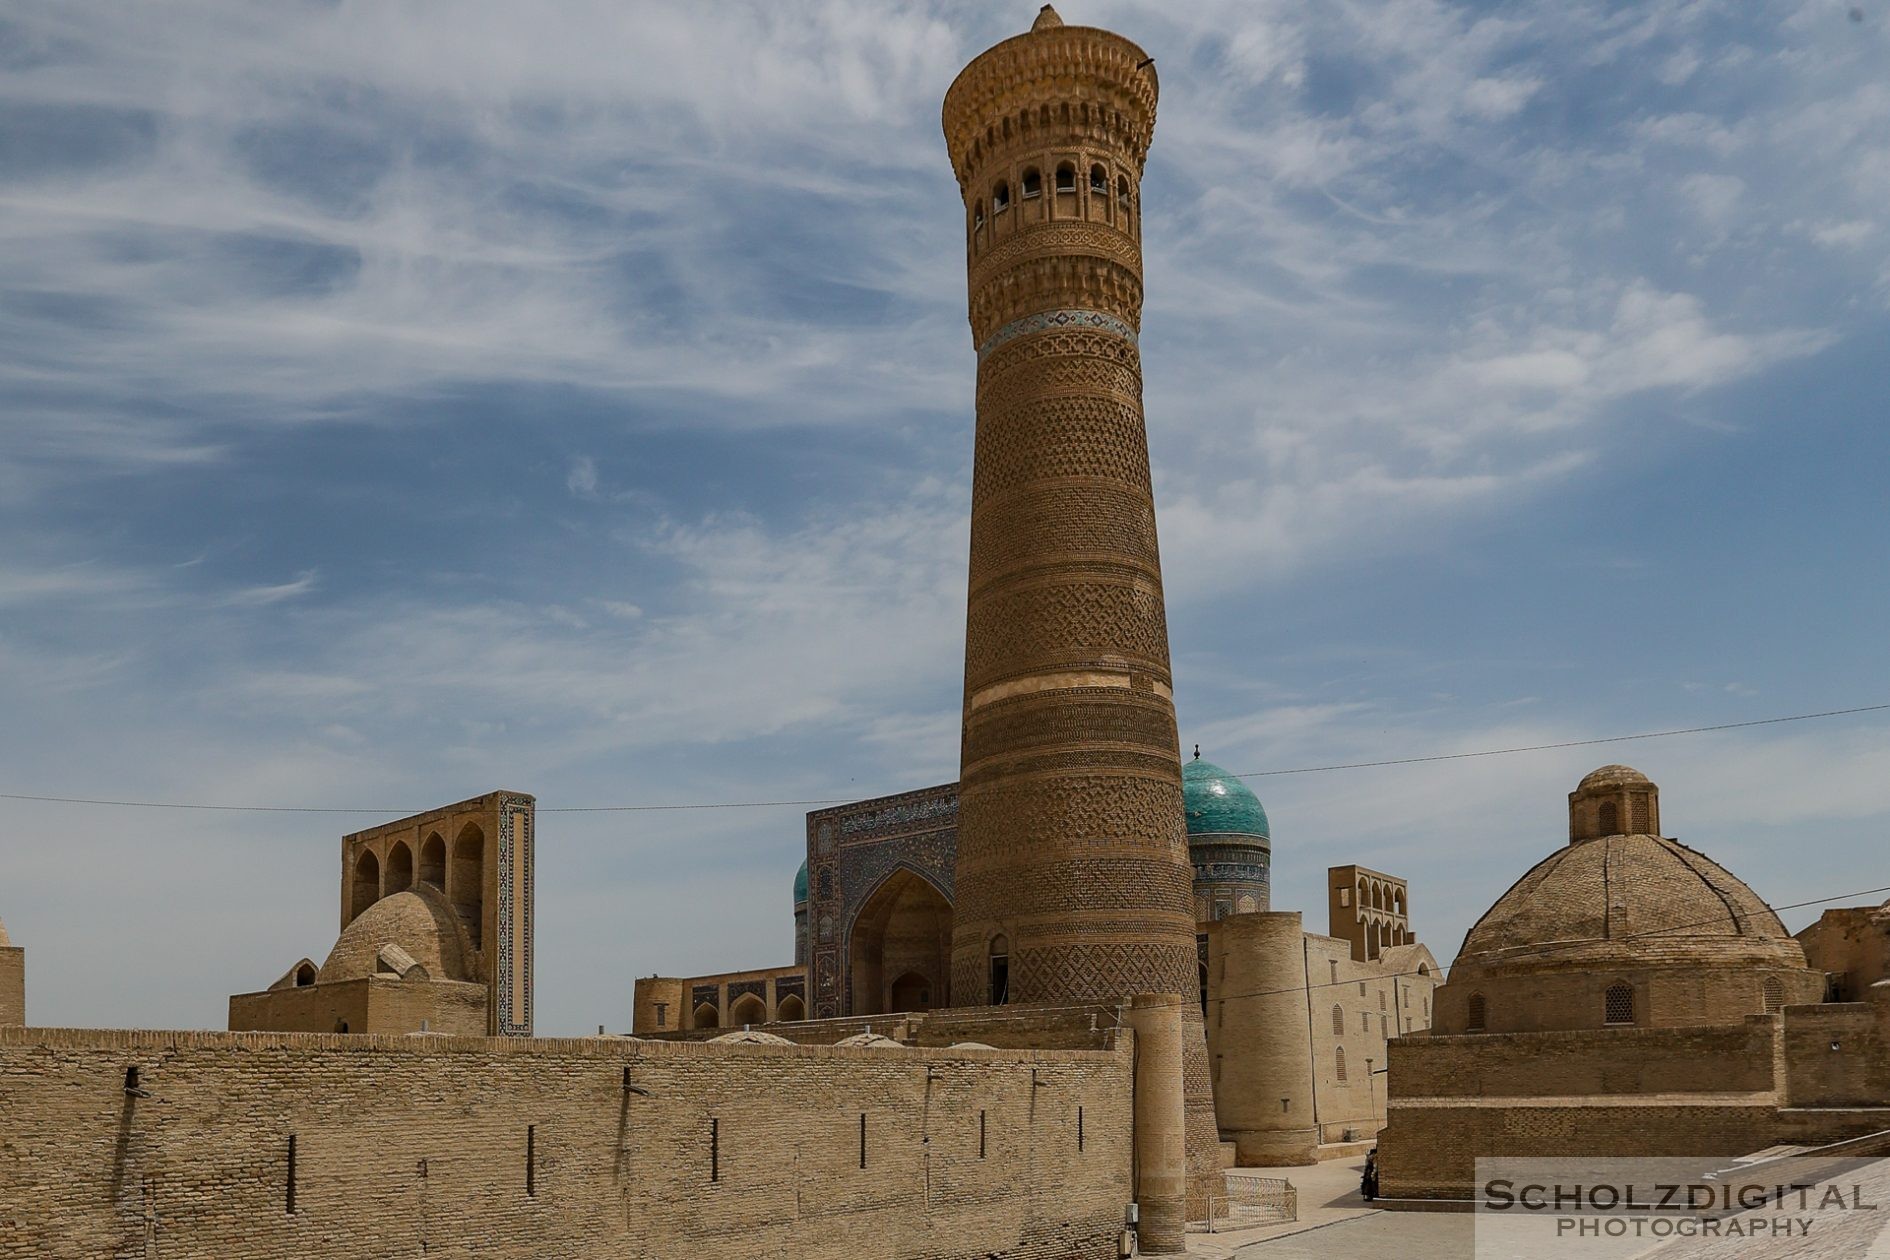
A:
398, 402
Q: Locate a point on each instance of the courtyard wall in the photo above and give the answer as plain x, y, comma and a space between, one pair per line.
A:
535, 1148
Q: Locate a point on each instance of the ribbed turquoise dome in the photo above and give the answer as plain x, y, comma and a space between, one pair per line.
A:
800, 884
1219, 804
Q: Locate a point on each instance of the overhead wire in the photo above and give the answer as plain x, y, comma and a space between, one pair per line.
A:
847, 800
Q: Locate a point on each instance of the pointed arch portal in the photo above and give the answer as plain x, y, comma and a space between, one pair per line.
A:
899, 952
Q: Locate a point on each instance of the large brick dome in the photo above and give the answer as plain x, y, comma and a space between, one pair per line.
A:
1622, 926
419, 921
1626, 896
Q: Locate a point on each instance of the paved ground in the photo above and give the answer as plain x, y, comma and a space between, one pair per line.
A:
1328, 1194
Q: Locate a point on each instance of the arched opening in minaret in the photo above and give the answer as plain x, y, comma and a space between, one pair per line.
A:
1033, 183
900, 947
1099, 181
1001, 197
1066, 177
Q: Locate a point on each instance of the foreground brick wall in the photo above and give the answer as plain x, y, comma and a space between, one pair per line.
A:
1682, 1091
406, 1146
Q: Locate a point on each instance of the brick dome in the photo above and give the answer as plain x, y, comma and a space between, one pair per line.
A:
1643, 896
419, 921
1622, 927
1611, 776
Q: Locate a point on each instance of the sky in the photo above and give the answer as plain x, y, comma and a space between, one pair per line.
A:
399, 402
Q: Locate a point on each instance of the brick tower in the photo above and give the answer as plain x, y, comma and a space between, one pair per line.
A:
1073, 876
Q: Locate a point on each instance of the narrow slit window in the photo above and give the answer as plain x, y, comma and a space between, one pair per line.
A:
289, 1187
862, 1139
980, 1135
1079, 1128
1477, 1018
531, 1161
715, 1149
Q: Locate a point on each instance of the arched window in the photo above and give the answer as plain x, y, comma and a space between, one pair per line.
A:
1066, 178
1477, 1014
977, 216
1033, 183
747, 1009
399, 868
1618, 1005
1099, 181
1000, 991
305, 975
1338, 1021
1610, 819
1122, 189
1338, 1059
1772, 995
790, 1009
1247, 904
1001, 197
467, 880
433, 861
367, 882
706, 1016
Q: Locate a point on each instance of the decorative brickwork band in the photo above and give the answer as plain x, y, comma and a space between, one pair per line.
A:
1047, 321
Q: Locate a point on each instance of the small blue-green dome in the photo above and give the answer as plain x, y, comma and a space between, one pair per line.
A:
1218, 804
800, 885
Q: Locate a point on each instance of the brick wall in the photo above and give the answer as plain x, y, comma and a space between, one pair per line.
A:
405, 1145
1835, 1056
371, 1003
12, 985
1684, 1091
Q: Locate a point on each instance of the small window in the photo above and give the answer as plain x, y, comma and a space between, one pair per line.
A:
1033, 183
977, 216
305, 975
1338, 1021
1365, 1022
1618, 1007
1334, 965
1772, 994
1338, 1059
1066, 178
1222, 909
1477, 1017
1384, 1025
1099, 180
1381, 999
1001, 198
1610, 819
1122, 189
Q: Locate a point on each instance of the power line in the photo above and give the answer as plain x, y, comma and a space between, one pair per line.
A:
1572, 743
847, 800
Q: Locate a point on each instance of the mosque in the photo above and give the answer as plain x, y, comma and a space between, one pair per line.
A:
1297, 1023
1033, 1013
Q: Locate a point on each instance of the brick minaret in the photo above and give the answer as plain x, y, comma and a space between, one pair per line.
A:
1073, 878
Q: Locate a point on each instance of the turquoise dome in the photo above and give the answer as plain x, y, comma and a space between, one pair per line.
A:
1218, 804
800, 885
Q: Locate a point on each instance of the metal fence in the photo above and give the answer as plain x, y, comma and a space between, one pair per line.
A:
1249, 1200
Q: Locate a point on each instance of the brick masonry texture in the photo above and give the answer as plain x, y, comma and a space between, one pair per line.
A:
1072, 857
12, 985
419, 1145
